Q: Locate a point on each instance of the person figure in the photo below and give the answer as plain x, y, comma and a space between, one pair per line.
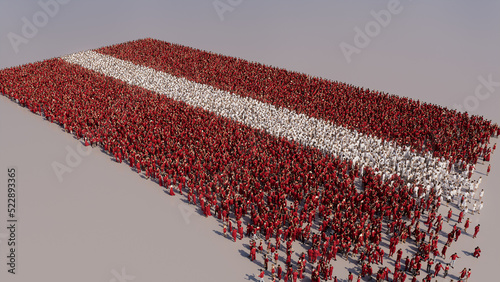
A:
403, 277
430, 262
460, 216
261, 275
453, 258
253, 252
295, 275
477, 252
488, 170
437, 268
234, 234
240, 231
476, 230
463, 274
400, 254
443, 251
457, 234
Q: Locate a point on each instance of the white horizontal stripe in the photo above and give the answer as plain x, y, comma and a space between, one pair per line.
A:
281, 122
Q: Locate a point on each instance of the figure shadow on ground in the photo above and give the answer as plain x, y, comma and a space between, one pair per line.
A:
467, 234
184, 200
355, 270
412, 249
351, 260
200, 212
443, 242
230, 238
384, 244
467, 253
251, 277
244, 253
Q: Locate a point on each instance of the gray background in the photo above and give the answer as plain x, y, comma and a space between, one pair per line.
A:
430, 51
102, 217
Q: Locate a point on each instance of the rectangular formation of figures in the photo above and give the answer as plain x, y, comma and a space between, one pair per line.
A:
266, 147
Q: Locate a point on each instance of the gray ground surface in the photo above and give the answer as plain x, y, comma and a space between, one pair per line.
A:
104, 222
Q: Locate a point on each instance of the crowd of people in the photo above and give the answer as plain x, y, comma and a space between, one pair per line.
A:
405, 121
285, 192
387, 158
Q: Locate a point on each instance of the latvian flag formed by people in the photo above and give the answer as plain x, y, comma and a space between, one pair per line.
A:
240, 138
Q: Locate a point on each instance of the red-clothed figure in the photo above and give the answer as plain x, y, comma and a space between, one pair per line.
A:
477, 252
466, 225
253, 252
240, 231
400, 255
476, 230
453, 258
234, 234
437, 268
457, 234
443, 251
261, 275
